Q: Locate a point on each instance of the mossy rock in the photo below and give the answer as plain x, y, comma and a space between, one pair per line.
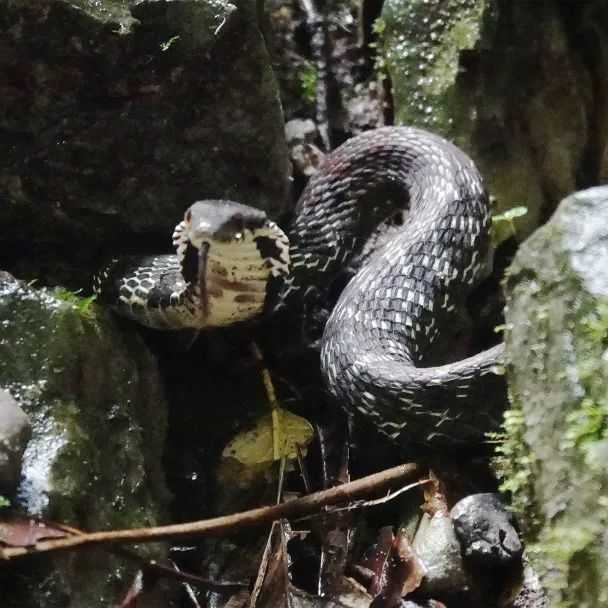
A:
553, 460
98, 416
483, 74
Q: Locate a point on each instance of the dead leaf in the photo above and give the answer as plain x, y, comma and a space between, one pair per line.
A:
272, 587
256, 446
435, 501
376, 557
402, 572
135, 590
22, 532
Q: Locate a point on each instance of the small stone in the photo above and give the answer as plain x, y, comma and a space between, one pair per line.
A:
300, 130
437, 546
15, 432
531, 594
486, 529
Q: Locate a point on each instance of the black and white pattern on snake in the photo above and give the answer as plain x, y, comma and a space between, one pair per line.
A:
406, 295
409, 292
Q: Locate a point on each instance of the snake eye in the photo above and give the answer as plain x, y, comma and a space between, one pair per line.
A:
238, 236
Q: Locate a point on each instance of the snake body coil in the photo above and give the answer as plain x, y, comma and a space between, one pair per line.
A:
377, 347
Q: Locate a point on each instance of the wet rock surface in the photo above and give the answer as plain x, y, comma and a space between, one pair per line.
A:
553, 460
98, 416
117, 116
15, 431
486, 530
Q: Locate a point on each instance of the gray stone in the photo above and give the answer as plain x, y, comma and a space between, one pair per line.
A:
486, 530
300, 130
483, 73
116, 116
553, 460
15, 431
98, 413
304, 154
531, 594
437, 546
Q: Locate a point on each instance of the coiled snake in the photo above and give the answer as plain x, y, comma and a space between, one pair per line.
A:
232, 263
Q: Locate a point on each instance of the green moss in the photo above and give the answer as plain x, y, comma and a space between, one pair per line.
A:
82, 305
553, 457
422, 42
308, 82
94, 398
503, 224
514, 465
561, 551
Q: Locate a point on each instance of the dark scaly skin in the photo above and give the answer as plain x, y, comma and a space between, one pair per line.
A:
406, 295
409, 292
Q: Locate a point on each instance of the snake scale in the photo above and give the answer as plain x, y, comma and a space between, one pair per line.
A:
232, 263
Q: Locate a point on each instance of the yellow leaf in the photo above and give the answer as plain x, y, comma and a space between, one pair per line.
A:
255, 446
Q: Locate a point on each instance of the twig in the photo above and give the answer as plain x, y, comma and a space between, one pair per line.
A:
383, 499
218, 526
277, 432
154, 566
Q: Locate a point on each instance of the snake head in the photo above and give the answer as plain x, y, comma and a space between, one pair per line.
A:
230, 253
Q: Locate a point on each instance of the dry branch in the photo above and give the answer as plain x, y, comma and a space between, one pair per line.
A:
226, 524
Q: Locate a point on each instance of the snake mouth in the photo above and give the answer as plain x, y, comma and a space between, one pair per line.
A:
203, 258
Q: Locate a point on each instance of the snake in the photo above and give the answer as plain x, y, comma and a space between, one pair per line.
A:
378, 357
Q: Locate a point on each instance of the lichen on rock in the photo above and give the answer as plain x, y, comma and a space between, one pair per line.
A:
557, 344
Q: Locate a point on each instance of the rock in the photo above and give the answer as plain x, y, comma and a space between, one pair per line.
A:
437, 546
116, 116
486, 530
531, 593
300, 130
98, 414
15, 431
482, 73
305, 155
553, 460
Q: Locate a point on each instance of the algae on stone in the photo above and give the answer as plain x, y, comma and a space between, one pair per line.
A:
557, 344
98, 416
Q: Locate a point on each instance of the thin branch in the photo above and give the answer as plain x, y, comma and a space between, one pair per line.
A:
226, 524
154, 566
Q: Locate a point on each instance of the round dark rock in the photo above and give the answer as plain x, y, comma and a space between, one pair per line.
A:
15, 432
486, 529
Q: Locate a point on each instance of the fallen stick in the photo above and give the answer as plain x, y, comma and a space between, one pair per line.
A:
217, 526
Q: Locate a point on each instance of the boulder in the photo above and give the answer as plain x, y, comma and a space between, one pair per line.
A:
483, 74
553, 459
486, 530
98, 414
116, 116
